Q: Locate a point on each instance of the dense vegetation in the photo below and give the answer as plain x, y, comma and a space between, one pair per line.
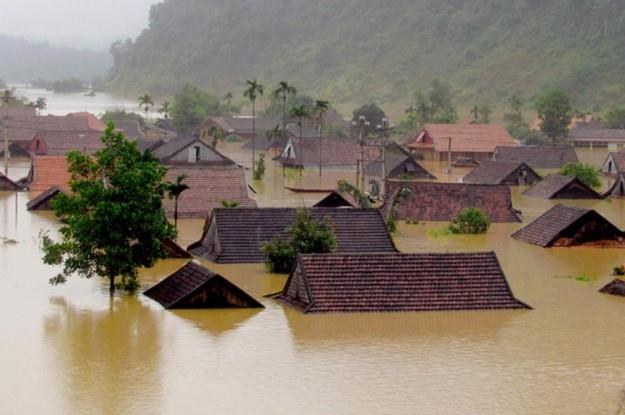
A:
23, 61
584, 172
470, 221
63, 86
373, 51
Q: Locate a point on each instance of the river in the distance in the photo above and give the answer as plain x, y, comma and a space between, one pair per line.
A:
72, 350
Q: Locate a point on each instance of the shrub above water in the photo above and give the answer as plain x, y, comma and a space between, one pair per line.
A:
470, 221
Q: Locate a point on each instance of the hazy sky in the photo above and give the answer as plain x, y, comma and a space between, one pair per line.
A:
92, 24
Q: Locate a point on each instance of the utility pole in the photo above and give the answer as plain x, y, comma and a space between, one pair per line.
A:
385, 129
6, 98
449, 157
360, 162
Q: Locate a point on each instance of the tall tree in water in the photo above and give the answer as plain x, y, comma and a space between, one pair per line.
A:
253, 90
319, 111
283, 91
145, 102
174, 191
300, 112
165, 109
555, 113
114, 222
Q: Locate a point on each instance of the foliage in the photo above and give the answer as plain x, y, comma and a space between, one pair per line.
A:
259, 171
306, 236
174, 191
584, 172
555, 112
620, 270
470, 221
615, 118
372, 113
121, 115
114, 221
66, 86
230, 204
165, 109
533, 137
435, 105
345, 187
192, 106
274, 108
395, 200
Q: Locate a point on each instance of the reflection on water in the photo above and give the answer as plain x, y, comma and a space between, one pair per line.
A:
70, 349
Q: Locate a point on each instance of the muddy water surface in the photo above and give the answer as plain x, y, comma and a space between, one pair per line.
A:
73, 349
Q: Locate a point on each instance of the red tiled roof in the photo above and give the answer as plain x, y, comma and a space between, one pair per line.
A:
398, 283
208, 186
47, 172
469, 138
236, 235
58, 143
442, 202
93, 123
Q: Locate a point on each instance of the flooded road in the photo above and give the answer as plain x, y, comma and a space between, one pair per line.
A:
71, 349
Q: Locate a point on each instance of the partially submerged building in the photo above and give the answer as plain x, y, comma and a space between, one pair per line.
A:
190, 150
614, 163
174, 250
613, 139
538, 156
8, 185
618, 187
194, 286
510, 173
43, 201
236, 235
48, 171
397, 282
334, 153
555, 186
336, 200
400, 164
476, 141
442, 202
564, 226
616, 287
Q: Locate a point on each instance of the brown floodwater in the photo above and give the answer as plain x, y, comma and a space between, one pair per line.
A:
72, 349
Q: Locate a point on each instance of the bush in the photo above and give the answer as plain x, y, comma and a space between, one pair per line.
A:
470, 221
306, 236
259, 172
584, 172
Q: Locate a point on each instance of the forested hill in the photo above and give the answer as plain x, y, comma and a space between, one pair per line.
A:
350, 50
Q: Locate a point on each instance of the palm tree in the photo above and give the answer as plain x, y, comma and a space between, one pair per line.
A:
283, 91
300, 112
253, 90
320, 110
174, 190
164, 109
41, 104
145, 102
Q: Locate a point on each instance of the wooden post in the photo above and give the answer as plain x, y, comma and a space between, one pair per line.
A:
449, 157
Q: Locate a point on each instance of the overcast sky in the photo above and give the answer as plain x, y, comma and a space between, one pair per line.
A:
92, 24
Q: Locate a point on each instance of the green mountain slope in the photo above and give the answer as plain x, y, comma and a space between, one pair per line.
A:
353, 50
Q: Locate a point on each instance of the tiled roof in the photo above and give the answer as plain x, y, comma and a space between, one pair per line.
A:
616, 287
334, 153
131, 128
567, 222
591, 134
619, 159
169, 149
59, 143
194, 286
47, 172
399, 283
469, 138
442, 202
16, 150
173, 250
93, 123
398, 162
208, 186
555, 186
42, 201
335, 199
538, 157
236, 235
6, 184
618, 187
465, 162
498, 172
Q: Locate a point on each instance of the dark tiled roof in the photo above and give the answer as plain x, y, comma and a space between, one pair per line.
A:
334, 153
43, 200
194, 286
616, 287
538, 157
208, 187
7, 184
173, 250
169, 149
236, 235
618, 187
465, 162
591, 134
442, 202
619, 159
499, 172
399, 283
578, 225
59, 143
398, 163
555, 186
131, 128
335, 200
16, 150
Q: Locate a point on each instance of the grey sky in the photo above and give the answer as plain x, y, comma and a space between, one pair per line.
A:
92, 24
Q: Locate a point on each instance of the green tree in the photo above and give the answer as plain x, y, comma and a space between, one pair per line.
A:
41, 104
300, 113
584, 172
615, 118
192, 106
470, 221
345, 187
306, 236
485, 113
253, 90
515, 103
114, 221
165, 109
475, 112
555, 113
174, 191
435, 105
121, 115
274, 107
259, 172
145, 102
283, 91
372, 113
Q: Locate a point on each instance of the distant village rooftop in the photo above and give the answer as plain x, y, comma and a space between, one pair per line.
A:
555, 186
537, 157
511, 173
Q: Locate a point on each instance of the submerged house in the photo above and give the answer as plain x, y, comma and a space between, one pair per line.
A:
194, 286
59, 143
614, 163
564, 226
398, 282
476, 141
190, 150
43, 201
555, 186
618, 187
336, 200
336, 153
399, 164
442, 202
613, 139
8, 185
47, 172
510, 173
236, 235
537, 157
616, 287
